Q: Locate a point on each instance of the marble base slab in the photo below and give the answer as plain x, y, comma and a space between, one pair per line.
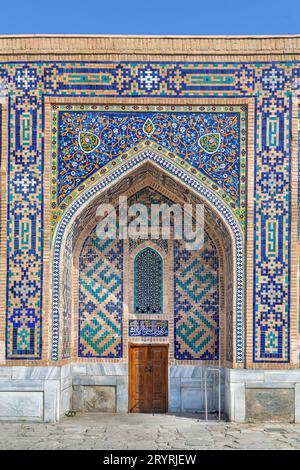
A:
22, 405
45, 393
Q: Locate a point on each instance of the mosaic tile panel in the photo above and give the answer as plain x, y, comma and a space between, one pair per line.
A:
160, 242
196, 302
100, 298
299, 164
148, 282
269, 84
67, 308
212, 142
148, 328
88, 140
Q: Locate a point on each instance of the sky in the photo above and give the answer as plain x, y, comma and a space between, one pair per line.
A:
184, 17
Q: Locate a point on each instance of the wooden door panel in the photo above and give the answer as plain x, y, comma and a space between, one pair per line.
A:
148, 378
159, 379
139, 402
157, 353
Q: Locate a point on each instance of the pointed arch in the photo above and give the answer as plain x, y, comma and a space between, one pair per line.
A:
83, 205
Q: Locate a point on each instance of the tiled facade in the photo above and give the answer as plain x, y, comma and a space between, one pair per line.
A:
196, 304
100, 298
84, 120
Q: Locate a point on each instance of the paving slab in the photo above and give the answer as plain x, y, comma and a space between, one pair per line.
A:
109, 431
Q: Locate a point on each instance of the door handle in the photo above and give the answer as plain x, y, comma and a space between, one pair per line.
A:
148, 369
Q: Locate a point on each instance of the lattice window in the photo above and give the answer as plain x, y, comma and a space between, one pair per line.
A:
148, 282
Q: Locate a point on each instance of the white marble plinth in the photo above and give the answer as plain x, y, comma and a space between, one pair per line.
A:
22, 405
45, 393
237, 381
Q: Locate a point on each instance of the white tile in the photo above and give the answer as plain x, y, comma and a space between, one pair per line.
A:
51, 401
21, 404
297, 403
239, 398
5, 373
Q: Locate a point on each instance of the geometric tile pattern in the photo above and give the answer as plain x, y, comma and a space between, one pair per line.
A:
148, 196
269, 84
148, 282
148, 328
196, 302
299, 162
67, 299
162, 243
100, 298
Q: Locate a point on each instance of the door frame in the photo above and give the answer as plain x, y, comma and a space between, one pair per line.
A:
135, 345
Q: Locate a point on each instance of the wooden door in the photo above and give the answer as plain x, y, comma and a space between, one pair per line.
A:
148, 378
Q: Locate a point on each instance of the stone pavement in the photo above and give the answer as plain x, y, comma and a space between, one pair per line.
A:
139, 431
